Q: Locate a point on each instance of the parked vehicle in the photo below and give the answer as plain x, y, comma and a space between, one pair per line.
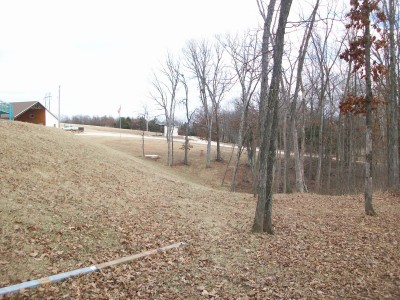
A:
73, 128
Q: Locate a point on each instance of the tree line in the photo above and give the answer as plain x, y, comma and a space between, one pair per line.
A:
138, 123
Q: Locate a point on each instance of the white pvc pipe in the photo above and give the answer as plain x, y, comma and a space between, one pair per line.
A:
62, 276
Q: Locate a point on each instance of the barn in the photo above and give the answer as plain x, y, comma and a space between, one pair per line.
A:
33, 112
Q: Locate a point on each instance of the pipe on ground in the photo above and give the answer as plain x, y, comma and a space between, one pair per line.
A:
62, 276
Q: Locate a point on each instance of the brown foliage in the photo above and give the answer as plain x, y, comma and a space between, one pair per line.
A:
359, 19
357, 105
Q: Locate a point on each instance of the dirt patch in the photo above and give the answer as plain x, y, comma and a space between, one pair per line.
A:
71, 201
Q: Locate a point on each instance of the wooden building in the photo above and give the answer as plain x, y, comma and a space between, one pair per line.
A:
33, 112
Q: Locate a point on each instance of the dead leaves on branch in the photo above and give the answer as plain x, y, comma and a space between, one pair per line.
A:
357, 104
359, 18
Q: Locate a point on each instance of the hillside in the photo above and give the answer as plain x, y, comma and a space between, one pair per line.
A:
69, 202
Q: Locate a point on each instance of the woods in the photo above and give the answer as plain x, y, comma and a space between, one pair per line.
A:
324, 93
337, 99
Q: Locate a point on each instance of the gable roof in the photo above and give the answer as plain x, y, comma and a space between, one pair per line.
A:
20, 107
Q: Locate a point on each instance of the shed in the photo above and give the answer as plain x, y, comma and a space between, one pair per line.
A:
163, 129
33, 112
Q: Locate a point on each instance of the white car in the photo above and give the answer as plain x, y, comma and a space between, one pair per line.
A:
73, 128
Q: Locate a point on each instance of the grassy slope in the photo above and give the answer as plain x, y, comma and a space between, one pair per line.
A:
68, 203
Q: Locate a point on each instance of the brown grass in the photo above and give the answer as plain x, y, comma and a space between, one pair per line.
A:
70, 201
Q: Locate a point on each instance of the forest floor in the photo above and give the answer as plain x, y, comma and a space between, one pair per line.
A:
71, 201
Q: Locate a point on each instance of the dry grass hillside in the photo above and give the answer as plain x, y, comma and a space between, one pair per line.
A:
69, 201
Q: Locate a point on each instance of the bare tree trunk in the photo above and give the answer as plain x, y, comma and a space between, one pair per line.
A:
369, 210
263, 219
279, 162
328, 181
188, 119
320, 145
219, 157
243, 119
286, 149
199, 60
172, 147
311, 137
185, 160
143, 144
227, 165
244, 53
350, 152
209, 128
299, 167
297, 163
339, 152
393, 131
166, 97
303, 140
262, 157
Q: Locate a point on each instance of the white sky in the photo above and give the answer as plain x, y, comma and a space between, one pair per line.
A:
102, 52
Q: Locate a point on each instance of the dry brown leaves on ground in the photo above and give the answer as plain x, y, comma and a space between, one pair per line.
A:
67, 204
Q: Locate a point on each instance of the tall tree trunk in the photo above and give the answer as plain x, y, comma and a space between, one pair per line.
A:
259, 185
311, 146
169, 162
303, 139
321, 129
209, 133
393, 131
172, 147
369, 210
328, 181
219, 157
299, 167
339, 152
263, 219
297, 163
242, 125
279, 161
320, 145
185, 160
350, 151
286, 150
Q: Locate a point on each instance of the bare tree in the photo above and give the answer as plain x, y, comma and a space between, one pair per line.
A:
244, 52
299, 167
217, 85
368, 118
198, 60
189, 116
269, 124
326, 60
393, 130
165, 95
205, 61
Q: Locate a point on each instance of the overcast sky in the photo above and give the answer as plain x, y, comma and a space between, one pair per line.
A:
102, 53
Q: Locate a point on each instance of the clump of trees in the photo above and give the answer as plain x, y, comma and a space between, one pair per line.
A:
313, 104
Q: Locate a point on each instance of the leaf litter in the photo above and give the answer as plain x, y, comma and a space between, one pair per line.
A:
69, 203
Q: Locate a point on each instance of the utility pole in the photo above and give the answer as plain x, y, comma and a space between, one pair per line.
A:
47, 100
